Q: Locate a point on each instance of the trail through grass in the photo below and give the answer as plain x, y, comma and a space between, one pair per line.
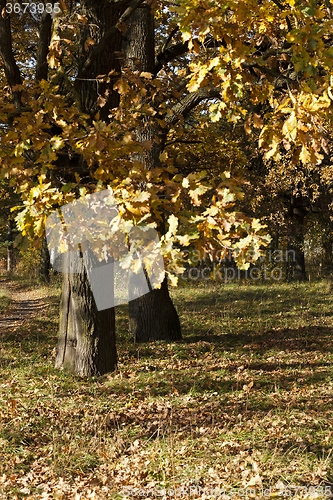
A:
243, 402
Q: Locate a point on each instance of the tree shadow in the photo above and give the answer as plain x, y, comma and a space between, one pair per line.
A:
308, 338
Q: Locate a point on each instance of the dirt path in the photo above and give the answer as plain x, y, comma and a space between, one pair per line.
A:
24, 305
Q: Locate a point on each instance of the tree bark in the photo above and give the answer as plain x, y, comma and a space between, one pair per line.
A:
87, 343
44, 263
327, 259
152, 316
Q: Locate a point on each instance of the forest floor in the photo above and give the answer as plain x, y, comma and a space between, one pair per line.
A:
242, 407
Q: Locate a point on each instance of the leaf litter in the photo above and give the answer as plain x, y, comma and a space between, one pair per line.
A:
235, 408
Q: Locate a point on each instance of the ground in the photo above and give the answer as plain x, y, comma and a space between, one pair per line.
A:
24, 305
243, 404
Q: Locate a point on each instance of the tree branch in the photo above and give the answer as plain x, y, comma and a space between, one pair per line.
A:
43, 46
190, 101
180, 141
167, 55
263, 69
103, 43
274, 52
12, 72
170, 54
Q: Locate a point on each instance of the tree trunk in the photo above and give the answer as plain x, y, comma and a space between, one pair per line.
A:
327, 259
298, 259
44, 263
87, 343
10, 249
296, 264
152, 316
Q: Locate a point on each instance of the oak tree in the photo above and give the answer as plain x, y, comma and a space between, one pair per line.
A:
93, 104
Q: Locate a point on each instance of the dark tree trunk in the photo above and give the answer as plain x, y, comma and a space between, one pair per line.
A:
10, 249
327, 259
101, 17
296, 257
44, 263
87, 343
152, 316
295, 263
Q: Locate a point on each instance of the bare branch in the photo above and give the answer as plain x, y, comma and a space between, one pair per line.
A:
12, 72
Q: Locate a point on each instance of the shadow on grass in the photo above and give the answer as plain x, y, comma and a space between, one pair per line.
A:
290, 339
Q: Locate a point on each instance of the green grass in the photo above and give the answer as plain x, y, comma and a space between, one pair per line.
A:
244, 400
4, 301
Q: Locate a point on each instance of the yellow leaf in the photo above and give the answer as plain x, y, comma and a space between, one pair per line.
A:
305, 156
184, 240
163, 156
173, 224
144, 196
173, 279
290, 126
196, 47
147, 75
256, 225
247, 126
63, 5
101, 101
88, 43
53, 61
257, 121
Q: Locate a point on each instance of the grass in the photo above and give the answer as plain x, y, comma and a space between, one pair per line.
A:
244, 401
4, 301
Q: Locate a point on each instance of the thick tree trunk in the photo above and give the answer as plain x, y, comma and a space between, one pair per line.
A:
44, 263
152, 316
10, 249
87, 344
